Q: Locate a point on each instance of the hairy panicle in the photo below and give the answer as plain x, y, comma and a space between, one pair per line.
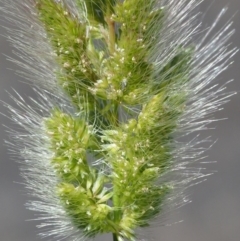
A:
119, 84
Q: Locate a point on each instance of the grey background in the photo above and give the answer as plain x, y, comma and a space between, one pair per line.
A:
214, 214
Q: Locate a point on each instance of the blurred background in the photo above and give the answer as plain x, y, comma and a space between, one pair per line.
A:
213, 215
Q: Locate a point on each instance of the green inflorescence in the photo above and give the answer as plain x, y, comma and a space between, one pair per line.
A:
128, 112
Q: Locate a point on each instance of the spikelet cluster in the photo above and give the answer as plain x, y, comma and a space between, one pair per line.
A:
118, 84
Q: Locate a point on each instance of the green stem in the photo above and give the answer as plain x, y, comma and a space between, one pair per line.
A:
111, 46
111, 28
111, 31
115, 237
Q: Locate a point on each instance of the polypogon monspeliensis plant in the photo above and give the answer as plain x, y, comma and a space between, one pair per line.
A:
118, 84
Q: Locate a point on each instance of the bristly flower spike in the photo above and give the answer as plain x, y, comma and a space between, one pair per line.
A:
119, 83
